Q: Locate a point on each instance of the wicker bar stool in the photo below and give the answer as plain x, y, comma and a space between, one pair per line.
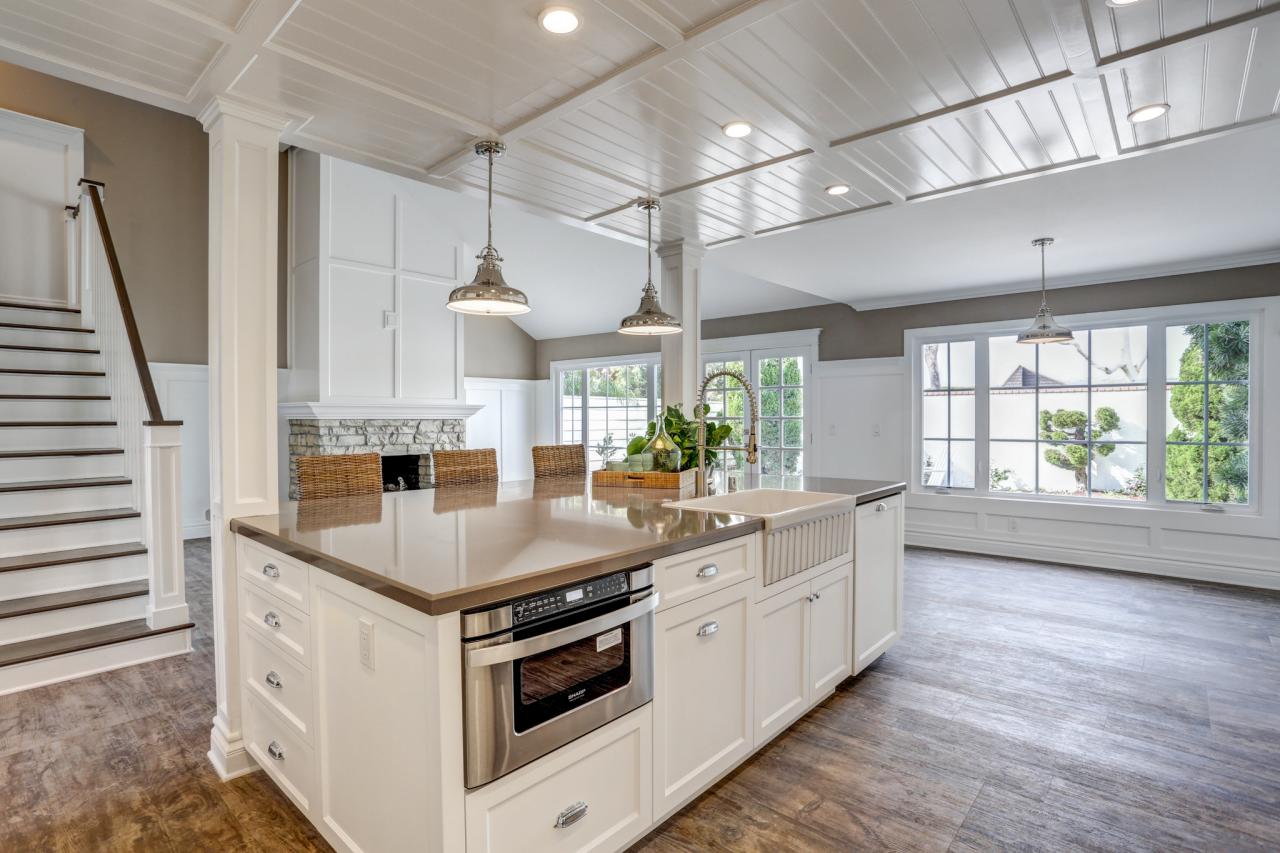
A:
460, 467
559, 460
339, 476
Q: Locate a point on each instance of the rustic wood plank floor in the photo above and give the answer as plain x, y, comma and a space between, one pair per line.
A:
1029, 707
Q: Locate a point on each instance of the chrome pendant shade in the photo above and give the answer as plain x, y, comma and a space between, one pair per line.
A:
649, 318
489, 293
1044, 328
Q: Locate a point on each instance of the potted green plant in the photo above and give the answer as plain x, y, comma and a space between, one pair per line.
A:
684, 432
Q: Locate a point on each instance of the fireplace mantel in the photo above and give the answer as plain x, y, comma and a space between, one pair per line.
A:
366, 410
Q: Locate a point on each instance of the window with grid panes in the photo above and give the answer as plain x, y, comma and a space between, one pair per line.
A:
727, 403
947, 410
782, 430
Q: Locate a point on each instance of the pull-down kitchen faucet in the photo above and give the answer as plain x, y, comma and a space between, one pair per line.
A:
700, 412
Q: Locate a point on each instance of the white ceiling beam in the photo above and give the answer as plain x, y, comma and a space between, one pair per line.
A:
263, 20
737, 18
645, 20
209, 25
1128, 57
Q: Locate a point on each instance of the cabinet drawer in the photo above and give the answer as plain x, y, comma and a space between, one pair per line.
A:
702, 709
277, 679
687, 576
594, 794
283, 627
279, 574
280, 752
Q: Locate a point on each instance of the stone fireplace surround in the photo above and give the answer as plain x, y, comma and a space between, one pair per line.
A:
384, 436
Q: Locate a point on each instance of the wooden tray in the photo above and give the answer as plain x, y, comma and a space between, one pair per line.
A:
645, 479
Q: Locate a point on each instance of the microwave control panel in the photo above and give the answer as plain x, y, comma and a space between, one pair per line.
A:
557, 601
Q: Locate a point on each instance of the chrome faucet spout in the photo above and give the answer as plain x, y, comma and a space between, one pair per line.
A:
700, 414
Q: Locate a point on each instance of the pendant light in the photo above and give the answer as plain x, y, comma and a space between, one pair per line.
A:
1044, 329
488, 292
649, 318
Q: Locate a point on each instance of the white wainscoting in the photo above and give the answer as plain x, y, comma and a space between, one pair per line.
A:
861, 429
507, 423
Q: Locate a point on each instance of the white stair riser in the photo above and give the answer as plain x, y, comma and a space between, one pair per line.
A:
35, 625
64, 500
57, 438
34, 383
24, 583
64, 667
41, 360
38, 317
47, 338
37, 540
24, 470
56, 410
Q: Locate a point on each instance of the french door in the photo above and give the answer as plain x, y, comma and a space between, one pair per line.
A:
781, 379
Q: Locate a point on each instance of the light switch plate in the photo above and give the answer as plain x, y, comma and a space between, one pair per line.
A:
366, 643
390, 319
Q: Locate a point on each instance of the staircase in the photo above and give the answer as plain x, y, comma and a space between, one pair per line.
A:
88, 485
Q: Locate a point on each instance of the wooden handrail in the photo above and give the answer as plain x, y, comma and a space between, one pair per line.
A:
154, 416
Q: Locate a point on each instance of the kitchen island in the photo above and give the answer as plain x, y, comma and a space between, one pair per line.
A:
352, 668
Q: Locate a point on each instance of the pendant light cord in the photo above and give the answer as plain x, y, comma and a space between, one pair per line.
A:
648, 244
489, 213
1044, 299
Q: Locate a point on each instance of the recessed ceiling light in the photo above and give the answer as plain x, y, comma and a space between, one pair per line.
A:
558, 20
1120, 4
736, 129
1148, 112
837, 189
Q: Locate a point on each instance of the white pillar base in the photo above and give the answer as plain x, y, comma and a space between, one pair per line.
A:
227, 754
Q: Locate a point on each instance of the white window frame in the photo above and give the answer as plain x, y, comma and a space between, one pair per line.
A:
1156, 320
652, 360
751, 350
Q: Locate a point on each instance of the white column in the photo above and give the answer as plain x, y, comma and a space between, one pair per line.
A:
681, 295
244, 145
162, 492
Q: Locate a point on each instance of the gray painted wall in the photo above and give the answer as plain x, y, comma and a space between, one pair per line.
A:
847, 333
496, 348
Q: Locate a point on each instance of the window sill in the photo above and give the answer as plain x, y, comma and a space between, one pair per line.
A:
1233, 511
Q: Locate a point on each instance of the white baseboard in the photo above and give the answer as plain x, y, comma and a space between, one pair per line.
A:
1163, 566
66, 667
196, 531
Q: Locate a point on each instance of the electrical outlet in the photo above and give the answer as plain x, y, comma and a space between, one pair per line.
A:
366, 643
390, 319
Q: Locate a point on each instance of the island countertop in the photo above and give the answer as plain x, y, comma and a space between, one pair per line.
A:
461, 547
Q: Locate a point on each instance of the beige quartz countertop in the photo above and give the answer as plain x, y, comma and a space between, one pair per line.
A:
457, 548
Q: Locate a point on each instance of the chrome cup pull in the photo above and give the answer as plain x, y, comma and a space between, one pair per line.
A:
273, 680
271, 571
881, 507
272, 620
706, 629
275, 750
571, 815
710, 570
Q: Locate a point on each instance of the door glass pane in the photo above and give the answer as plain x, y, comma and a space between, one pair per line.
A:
793, 433
793, 402
770, 402
793, 370
771, 461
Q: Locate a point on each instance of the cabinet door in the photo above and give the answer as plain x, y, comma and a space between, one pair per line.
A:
830, 630
782, 661
703, 693
877, 572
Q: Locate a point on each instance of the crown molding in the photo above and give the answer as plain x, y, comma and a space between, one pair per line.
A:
221, 105
377, 411
1250, 259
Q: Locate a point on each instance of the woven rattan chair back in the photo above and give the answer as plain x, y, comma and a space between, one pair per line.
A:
559, 460
462, 467
339, 476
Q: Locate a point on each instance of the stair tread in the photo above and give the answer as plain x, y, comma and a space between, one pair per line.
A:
68, 483
54, 518
61, 451
30, 371
63, 309
78, 641
55, 396
41, 327
34, 348
71, 555
23, 424
71, 598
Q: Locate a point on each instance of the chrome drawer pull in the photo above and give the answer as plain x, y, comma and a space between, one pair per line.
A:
706, 629
271, 571
271, 619
710, 570
275, 750
571, 815
881, 507
273, 680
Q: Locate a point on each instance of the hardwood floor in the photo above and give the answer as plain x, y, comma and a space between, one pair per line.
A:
1029, 707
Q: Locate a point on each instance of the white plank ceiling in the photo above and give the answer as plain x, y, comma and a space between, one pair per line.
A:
903, 100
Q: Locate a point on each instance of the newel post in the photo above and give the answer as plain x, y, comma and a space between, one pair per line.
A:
162, 512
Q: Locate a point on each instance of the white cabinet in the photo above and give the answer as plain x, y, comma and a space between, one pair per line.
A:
684, 577
702, 693
594, 794
803, 648
877, 594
